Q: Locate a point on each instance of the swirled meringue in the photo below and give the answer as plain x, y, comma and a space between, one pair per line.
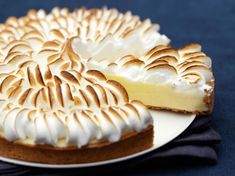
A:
184, 68
47, 94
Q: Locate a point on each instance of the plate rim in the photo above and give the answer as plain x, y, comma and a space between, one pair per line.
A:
99, 163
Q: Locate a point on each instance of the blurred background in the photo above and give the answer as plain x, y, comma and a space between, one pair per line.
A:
208, 22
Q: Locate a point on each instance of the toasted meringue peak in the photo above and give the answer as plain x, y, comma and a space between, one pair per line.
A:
47, 93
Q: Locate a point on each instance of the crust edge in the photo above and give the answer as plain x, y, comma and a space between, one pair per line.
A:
51, 155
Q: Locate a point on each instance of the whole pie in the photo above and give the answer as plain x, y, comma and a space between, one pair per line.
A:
72, 83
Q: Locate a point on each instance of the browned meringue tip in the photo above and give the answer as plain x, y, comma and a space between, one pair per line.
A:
134, 62
193, 46
194, 67
163, 66
70, 77
94, 95
185, 65
96, 74
156, 49
121, 89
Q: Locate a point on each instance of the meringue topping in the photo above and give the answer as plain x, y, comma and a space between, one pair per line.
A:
47, 93
184, 69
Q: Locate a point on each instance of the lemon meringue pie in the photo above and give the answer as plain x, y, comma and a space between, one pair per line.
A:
72, 83
53, 108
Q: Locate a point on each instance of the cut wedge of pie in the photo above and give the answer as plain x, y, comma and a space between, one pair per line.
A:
162, 78
133, 53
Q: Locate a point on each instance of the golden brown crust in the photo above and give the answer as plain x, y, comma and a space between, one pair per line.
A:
209, 100
178, 110
54, 155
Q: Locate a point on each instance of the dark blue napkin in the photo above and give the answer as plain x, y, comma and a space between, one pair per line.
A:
197, 142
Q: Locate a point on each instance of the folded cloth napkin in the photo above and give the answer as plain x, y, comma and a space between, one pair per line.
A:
197, 142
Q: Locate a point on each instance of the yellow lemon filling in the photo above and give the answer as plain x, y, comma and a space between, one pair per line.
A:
162, 95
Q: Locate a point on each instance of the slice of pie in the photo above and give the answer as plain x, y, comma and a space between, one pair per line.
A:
162, 78
53, 109
133, 53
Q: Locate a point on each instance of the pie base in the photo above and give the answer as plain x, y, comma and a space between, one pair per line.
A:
133, 143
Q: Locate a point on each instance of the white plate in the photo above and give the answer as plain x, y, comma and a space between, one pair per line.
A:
167, 126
